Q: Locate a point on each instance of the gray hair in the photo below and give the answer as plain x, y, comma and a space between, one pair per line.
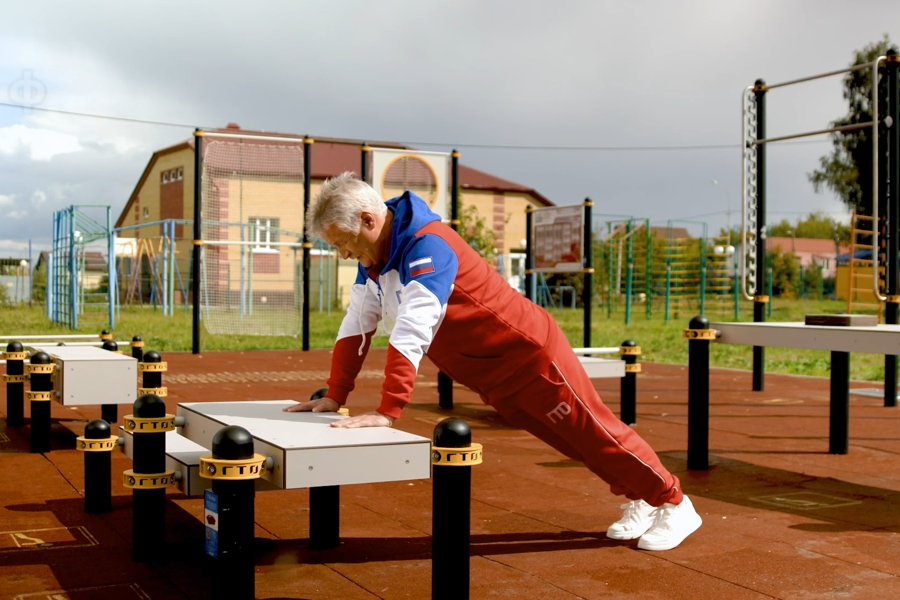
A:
340, 202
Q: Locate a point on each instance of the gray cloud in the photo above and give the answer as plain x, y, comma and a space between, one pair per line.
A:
571, 73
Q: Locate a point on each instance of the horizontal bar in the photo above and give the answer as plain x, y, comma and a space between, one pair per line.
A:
253, 137
62, 337
97, 343
152, 223
812, 77
255, 244
608, 350
867, 124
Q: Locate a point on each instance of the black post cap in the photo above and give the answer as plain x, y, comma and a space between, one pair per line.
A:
892, 52
760, 81
136, 338
629, 344
110, 345
96, 429
14, 347
452, 433
149, 406
152, 356
319, 393
232, 443
699, 322
40, 358
104, 332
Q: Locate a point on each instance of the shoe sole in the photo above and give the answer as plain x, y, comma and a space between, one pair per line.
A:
644, 545
632, 536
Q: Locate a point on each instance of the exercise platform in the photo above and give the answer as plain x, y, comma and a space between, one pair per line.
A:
601, 368
840, 340
879, 339
306, 451
81, 368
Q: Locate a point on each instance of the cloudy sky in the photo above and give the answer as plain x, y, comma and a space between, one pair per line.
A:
574, 98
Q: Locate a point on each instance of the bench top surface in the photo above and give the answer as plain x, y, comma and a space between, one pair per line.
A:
880, 339
267, 422
88, 353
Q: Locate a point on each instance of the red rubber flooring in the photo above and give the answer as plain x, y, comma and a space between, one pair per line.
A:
782, 518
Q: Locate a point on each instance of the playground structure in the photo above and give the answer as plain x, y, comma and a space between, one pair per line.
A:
81, 277
882, 227
152, 269
675, 268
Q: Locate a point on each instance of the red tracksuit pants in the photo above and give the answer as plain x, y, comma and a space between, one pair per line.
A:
561, 407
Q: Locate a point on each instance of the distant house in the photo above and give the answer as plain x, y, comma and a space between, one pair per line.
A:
165, 191
808, 251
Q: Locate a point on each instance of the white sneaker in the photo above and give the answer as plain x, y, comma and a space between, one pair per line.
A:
637, 518
673, 523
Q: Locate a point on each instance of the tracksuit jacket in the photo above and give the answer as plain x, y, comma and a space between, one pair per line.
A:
438, 297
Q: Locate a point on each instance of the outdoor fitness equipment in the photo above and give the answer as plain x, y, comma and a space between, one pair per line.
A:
885, 73
75, 293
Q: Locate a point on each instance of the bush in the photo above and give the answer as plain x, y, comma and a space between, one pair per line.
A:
785, 273
812, 281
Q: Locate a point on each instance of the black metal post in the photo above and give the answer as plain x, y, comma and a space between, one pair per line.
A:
760, 299
198, 239
452, 460
839, 423
149, 458
152, 378
445, 383
109, 412
698, 335
97, 445
364, 152
891, 183
324, 507
454, 190
15, 356
41, 373
588, 291
324, 517
137, 348
307, 245
628, 384
529, 252
234, 572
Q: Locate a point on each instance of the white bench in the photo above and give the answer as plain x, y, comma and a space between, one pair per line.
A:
87, 375
306, 451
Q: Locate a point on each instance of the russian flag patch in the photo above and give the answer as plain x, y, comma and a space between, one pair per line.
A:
421, 266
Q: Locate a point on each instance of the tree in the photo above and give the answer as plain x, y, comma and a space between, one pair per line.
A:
813, 282
817, 226
39, 285
785, 273
476, 232
845, 169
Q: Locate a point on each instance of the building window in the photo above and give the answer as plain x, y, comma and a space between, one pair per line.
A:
146, 212
165, 177
264, 233
180, 173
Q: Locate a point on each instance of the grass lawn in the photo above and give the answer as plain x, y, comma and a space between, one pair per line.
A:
660, 341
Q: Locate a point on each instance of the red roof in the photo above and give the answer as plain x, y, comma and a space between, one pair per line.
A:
330, 157
333, 156
813, 246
